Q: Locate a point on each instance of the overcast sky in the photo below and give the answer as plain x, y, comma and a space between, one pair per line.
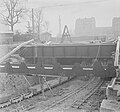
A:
70, 10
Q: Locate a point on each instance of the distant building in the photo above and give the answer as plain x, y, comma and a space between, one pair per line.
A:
102, 31
45, 37
116, 26
85, 26
6, 36
86, 29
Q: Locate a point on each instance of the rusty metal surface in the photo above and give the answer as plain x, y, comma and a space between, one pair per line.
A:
57, 69
72, 51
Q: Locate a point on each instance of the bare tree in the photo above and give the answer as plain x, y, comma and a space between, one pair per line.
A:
40, 25
35, 16
38, 19
13, 12
29, 28
47, 25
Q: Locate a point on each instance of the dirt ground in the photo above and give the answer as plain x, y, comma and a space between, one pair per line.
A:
39, 102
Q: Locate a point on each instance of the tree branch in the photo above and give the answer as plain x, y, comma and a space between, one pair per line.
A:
14, 12
16, 20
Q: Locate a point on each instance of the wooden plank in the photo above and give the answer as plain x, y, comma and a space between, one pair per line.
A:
14, 50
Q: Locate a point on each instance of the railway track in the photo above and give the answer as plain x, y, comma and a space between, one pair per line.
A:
30, 105
77, 104
64, 103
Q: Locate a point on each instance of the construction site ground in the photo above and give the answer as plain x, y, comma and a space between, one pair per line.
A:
38, 102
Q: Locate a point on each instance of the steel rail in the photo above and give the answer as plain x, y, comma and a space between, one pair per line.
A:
39, 91
67, 96
91, 92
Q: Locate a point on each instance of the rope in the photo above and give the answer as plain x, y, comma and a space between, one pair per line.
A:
97, 55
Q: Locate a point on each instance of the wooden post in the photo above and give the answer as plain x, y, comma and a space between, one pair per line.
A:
44, 78
117, 53
41, 82
33, 20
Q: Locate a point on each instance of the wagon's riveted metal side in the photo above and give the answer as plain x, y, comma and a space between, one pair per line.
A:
66, 54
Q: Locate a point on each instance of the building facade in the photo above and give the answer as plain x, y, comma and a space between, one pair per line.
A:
85, 26
6, 36
45, 37
6, 39
116, 26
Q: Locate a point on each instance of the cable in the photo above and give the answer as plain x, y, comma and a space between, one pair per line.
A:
97, 54
72, 4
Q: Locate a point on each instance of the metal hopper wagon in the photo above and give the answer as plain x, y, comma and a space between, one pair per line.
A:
60, 60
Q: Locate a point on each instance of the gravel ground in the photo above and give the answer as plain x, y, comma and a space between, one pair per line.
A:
92, 104
66, 105
39, 103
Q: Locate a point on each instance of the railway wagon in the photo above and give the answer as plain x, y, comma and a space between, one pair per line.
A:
37, 69
97, 69
22, 69
67, 54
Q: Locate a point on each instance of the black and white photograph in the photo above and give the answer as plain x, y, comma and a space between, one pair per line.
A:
59, 55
